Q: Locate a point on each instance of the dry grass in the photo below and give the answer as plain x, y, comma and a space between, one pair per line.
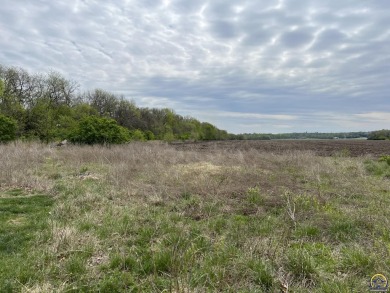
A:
146, 217
20, 166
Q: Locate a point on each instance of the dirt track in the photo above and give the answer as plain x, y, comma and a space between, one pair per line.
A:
348, 147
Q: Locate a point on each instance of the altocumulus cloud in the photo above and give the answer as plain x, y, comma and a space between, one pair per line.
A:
246, 66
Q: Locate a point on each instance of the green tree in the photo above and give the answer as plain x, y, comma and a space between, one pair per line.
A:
209, 131
127, 114
8, 128
1, 87
40, 121
168, 134
48, 107
99, 130
383, 134
11, 107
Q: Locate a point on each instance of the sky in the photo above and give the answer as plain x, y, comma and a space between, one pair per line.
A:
265, 66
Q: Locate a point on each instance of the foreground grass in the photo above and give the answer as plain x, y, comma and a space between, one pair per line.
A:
22, 217
148, 218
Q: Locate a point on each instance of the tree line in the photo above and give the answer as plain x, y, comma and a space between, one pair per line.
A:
50, 107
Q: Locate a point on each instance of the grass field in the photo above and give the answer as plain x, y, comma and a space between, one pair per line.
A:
149, 217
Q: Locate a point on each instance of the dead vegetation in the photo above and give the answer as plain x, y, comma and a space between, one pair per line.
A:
149, 217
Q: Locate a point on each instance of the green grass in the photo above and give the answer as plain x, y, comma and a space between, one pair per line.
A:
151, 219
22, 218
380, 167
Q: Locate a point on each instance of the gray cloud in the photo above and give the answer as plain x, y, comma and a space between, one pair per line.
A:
328, 40
295, 39
211, 59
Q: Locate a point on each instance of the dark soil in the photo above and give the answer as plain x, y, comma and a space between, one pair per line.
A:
342, 147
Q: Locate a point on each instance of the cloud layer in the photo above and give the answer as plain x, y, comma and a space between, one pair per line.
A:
246, 66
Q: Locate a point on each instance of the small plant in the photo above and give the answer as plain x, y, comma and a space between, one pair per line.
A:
344, 153
308, 231
262, 274
301, 265
290, 205
254, 195
344, 229
83, 170
385, 158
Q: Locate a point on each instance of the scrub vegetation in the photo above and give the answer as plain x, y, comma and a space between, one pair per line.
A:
148, 217
49, 108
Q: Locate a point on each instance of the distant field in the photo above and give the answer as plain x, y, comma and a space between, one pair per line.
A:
230, 216
350, 147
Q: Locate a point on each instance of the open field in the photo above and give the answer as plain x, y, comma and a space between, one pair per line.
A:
350, 147
204, 217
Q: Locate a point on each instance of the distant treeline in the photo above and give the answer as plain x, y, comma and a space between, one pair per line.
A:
49, 107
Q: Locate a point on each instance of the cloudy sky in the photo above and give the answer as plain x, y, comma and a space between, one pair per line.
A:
245, 66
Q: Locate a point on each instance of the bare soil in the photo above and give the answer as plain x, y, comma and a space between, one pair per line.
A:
344, 147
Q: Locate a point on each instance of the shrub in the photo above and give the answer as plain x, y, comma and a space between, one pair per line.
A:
8, 128
380, 167
385, 159
99, 130
137, 135
149, 135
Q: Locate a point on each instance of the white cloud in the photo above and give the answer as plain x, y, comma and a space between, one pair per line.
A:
375, 117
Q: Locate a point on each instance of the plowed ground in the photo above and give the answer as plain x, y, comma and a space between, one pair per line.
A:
347, 147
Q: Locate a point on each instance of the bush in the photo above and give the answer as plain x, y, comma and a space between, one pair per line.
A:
149, 135
137, 135
385, 158
97, 130
380, 167
8, 128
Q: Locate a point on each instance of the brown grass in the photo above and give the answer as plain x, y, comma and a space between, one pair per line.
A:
96, 188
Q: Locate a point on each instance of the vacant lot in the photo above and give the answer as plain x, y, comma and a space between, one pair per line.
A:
275, 216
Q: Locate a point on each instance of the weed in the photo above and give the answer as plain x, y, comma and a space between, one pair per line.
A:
302, 266
358, 261
261, 274
254, 196
307, 231
385, 158
379, 168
